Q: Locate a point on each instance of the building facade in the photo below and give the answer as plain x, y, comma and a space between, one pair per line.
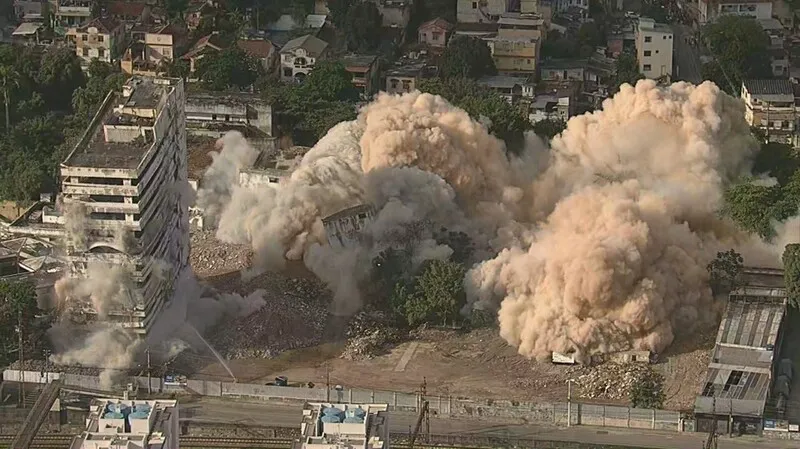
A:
654, 49
344, 227
70, 13
122, 184
100, 39
356, 426
709, 10
365, 72
435, 32
515, 56
114, 423
479, 11
771, 107
300, 55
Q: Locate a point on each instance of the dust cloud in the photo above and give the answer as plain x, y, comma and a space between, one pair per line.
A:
597, 244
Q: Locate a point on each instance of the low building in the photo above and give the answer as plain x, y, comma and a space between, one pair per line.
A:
195, 12
395, 13
212, 43
70, 13
31, 10
344, 227
100, 39
477, 30
212, 114
114, 423
404, 78
262, 50
286, 27
300, 55
515, 25
129, 12
515, 56
479, 11
563, 70
740, 372
770, 107
356, 426
508, 87
28, 33
654, 49
151, 47
435, 33
554, 101
365, 71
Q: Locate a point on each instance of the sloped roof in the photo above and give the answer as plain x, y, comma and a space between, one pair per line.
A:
104, 25
26, 29
438, 23
314, 46
769, 87
259, 48
212, 41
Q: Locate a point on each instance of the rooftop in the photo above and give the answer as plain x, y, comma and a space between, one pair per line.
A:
123, 8
437, 23
408, 70
365, 209
355, 62
769, 87
357, 426
502, 81
257, 48
199, 154
104, 25
115, 114
113, 423
564, 64
313, 45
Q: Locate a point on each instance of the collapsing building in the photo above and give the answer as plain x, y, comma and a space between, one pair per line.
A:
362, 426
344, 227
120, 197
744, 361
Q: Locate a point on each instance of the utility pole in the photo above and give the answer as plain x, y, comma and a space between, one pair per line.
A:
569, 402
21, 360
149, 381
427, 414
328, 382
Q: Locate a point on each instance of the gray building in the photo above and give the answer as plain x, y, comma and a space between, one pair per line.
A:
743, 361
120, 197
343, 227
212, 114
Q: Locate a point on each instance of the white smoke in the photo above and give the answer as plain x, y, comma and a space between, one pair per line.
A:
600, 246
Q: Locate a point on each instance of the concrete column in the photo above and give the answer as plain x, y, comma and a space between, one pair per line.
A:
449, 405
350, 399
654, 418
604, 416
629, 417
372, 396
394, 397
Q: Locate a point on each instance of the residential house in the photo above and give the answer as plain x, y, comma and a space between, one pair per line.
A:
395, 13
563, 70
282, 30
364, 70
101, 39
28, 33
214, 42
654, 49
404, 78
435, 32
300, 55
517, 56
778, 51
73, 12
129, 12
477, 30
31, 10
152, 46
262, 50
709, 10
508, 87
479, 11
195, 12
554, 100
771, 107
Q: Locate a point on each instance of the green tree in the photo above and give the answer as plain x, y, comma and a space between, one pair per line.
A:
9, 79
777, 160
725, 272
176, 9
362, 27
791, 273
177, 68
647, 390
549, 128
626, 70
458, 241
328, 81
18, 312
750, 207
558, 46
739, 46
507, 122
466, 57
59, 75
438, 294
338, 10
232, 68
431, 9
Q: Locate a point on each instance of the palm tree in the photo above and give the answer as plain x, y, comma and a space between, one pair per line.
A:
9, 78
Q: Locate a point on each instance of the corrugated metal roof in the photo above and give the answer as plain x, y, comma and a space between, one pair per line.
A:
769, 87
751, 323
736, 384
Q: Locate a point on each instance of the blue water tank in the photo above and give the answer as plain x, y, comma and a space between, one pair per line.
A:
139, 415
360, 413
331, 419
117, 408
113, 415
353, 420
144, 408
332, 411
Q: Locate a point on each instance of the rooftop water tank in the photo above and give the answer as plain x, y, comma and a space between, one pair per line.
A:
353, 420
357, 412
145, 408
332, 411
139, 415
116, 407
113, 415
331, 419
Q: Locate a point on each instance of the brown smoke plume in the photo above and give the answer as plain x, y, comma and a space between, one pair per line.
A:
603, 247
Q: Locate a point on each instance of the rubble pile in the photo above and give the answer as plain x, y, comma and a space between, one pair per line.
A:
287, 321
608, 380
369, 333
46, 366
209, 256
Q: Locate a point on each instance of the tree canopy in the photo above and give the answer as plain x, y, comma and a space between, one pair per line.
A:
507, 122
647, 390
725, 271
232, 68
791, 273
18, 312
362, 27
438, 294
466, 57
739, 47
549, 128
626, 70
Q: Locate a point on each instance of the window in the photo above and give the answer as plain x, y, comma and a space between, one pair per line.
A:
436, 36
648, 38
287, 71
227, 118
647, 68
474, 5
394, 83
84, 37
664, 37
647, 52
101, 52
100, 38
86, 52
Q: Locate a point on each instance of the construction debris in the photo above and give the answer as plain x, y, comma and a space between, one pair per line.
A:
369, 333
209, 256
607, 381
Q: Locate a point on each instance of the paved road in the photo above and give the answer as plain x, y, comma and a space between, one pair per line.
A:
247, 413
687, 58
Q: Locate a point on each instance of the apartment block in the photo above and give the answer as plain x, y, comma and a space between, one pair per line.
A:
654, 49
100, 39
709, 10
121, 188
72, 12
771, 107
515, 56
480, 11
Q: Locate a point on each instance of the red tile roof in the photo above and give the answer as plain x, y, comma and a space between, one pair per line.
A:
260, 49
104, 25
438, 23
127, 9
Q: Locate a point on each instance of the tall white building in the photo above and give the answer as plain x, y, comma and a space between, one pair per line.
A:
114, 424
120, 200
709, 10
654, 49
